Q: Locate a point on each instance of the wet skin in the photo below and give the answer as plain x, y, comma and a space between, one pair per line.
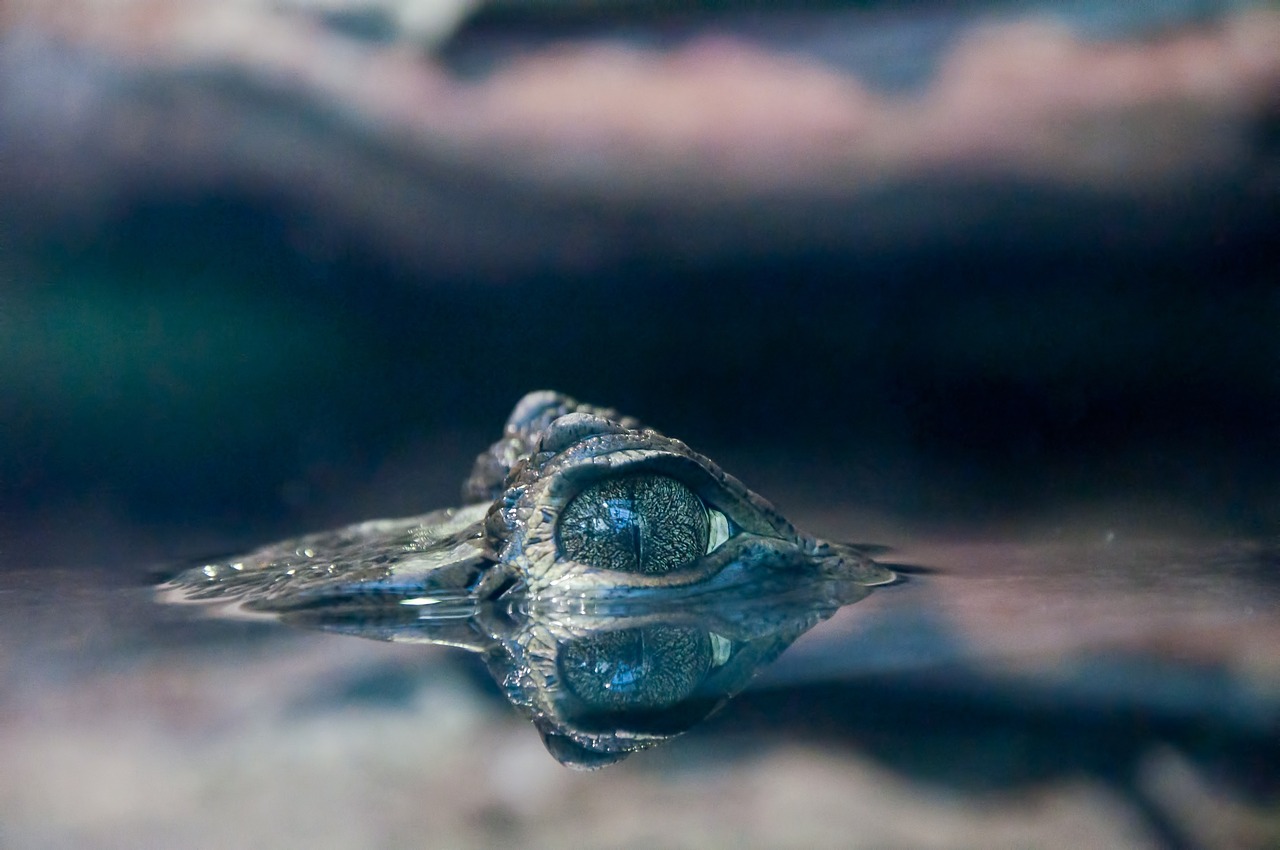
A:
619, 585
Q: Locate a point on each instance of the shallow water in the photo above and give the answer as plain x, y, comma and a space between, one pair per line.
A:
1080, 691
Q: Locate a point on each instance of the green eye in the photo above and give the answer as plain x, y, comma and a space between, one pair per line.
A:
638, 523
637, 669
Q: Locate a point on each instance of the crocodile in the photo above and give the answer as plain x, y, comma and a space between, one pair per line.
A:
619, 585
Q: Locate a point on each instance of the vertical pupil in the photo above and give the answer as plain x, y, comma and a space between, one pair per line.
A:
639, 523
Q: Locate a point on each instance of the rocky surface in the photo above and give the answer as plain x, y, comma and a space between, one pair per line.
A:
579, 153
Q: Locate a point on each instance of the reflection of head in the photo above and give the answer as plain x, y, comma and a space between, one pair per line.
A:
603, 681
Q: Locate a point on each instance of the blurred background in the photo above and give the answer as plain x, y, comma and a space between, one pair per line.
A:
273, 265
908, 269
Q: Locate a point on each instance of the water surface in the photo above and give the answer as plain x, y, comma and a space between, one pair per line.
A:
1089, 690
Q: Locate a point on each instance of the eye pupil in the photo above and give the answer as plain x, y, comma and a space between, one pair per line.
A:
641, 523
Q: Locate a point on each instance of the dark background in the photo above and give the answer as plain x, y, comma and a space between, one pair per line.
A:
193, 364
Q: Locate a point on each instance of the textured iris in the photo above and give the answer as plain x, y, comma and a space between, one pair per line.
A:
636, 669
634, 524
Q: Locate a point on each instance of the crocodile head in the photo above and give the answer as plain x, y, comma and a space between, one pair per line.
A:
590, 504
619, 585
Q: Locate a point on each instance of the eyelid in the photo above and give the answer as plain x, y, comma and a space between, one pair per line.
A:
719, 532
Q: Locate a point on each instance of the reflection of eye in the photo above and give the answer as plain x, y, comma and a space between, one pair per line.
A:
642, 668
640, 523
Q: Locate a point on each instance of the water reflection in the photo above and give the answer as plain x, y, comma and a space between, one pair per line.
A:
619, 586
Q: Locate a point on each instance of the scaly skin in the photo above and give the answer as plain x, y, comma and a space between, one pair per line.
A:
604, 661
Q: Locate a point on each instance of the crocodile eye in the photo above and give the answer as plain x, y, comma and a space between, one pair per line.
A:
643, 668
641, 523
